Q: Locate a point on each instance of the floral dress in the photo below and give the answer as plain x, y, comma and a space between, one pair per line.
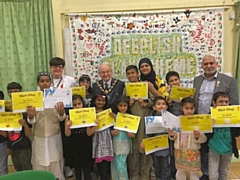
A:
187, 159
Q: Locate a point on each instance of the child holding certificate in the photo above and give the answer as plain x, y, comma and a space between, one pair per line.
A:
187, 154
47, 151
80, 142
161, 157
19, 141
138, 161
85, 80
222, 143
102, 141
121, 144
173, 79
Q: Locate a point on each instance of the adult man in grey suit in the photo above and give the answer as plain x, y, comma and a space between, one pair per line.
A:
206, 85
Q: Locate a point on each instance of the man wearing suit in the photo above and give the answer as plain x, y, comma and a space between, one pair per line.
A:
108, 85
206, 85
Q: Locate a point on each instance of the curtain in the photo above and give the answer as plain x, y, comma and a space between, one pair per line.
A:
238, 45
26, 41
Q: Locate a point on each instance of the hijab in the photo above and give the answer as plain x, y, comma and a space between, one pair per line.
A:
151, 76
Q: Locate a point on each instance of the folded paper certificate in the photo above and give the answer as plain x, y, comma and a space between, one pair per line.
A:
83, 117
170, 121
9, 121
178, 93
199, 122
53, 96
80, 91
2, 106
127, 122
105, 120
21, 100
226, 116
156, 143
153, 125
137, 90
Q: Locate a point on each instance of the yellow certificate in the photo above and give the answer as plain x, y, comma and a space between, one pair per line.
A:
156, 143
80, 91
199, 122
127, 122
2, 106
9, 121
177, 93
83, 117
8, 105
21, 100
137, 90
226, 116
105, 120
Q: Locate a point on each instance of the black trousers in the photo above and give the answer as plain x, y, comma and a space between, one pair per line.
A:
86, 173
104, 170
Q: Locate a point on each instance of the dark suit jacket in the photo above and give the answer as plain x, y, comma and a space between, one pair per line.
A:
224, 83
113, 94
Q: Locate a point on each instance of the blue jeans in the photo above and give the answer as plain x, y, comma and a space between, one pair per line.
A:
3, 159
162, 167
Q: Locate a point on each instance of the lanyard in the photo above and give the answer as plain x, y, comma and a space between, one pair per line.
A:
59, 82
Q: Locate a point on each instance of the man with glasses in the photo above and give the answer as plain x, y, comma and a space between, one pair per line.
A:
108, 85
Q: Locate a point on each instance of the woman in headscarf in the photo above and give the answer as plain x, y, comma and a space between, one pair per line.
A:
156, 85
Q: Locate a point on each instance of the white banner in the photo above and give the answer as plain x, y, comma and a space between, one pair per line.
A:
173, 41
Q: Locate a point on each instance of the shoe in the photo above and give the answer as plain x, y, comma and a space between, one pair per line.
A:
94, 176
68, 172
204, 177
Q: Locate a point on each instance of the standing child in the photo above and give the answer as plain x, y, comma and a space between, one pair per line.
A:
80, 143
19, 141
102, 141
85, 80
47, 142
187, 154
161, 158
121, 144
138, 161
173, 79
222, 144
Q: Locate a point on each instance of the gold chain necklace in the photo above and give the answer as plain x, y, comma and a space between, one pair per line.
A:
110, 89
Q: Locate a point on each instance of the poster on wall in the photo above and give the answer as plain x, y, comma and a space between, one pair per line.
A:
173, 41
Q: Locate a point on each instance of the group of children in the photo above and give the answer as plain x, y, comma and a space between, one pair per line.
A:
117, 154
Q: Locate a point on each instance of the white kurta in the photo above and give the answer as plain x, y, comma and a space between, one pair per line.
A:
47, 150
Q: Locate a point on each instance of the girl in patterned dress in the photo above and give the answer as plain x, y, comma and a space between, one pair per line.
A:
187, 154
80, 142
102, 141
121, 144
